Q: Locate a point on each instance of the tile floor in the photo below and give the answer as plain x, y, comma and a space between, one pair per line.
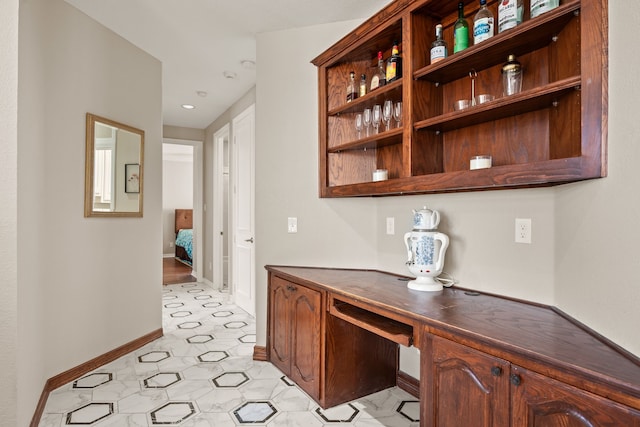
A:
201, 374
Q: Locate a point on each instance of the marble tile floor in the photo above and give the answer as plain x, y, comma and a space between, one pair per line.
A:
201, 374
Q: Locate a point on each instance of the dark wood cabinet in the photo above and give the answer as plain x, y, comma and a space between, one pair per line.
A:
539, 401
552, 132
295, 342
464, 386
485, 360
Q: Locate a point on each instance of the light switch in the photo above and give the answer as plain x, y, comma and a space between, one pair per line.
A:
292, 225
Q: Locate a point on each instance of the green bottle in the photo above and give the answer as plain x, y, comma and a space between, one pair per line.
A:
460, 31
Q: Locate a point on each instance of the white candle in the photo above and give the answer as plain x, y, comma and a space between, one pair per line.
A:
480, 162
380, 175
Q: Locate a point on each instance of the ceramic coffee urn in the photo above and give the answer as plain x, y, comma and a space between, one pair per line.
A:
425, 248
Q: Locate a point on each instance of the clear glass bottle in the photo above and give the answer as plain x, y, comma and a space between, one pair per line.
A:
379, 79
460, 31
510, 14
394, 64
438, 47
538, 7
482, 24
352, 93
363, 85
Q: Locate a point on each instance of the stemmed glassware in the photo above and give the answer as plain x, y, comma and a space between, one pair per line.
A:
387, 112
359, 123
376, 116
397, 112
366, 119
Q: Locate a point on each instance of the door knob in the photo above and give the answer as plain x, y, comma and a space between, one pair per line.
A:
249, 240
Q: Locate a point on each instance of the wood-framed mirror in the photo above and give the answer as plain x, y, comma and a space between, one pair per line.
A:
114, 165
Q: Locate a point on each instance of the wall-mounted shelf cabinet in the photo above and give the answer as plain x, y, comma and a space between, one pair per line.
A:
554, 131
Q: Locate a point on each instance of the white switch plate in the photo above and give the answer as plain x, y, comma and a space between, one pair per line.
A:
292, 225
391, 225
523, 230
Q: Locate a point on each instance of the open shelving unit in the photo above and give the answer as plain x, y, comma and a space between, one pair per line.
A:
552, 132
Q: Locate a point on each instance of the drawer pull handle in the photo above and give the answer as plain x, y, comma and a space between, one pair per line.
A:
496, 371
291, 288
516, 380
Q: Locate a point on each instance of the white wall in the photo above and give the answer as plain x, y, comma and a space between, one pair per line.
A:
8, 209
584, 234
86, 285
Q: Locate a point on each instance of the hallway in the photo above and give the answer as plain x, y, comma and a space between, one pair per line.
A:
201, 374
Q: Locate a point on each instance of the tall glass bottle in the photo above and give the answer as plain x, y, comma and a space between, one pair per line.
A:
438, 47
460, 31
482, 23
394, 64
510, 14
380, 77
352, 93
538, 7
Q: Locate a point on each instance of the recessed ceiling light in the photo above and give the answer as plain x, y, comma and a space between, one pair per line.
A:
248, 64
229, 74
188, 106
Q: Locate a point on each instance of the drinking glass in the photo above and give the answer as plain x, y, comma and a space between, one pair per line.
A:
366, 119
387, 112
397, 112
376, 116
359, 123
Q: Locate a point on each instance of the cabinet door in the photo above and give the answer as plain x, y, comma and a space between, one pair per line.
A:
280, 324
539, 401
306, 307
465, 387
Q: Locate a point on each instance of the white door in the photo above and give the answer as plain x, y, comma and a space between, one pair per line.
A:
243, 258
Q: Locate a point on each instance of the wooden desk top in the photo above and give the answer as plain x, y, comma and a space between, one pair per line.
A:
525, 333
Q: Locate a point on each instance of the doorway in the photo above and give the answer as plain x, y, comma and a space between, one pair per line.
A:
182, 189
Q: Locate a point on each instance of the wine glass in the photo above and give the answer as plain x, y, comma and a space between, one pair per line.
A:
366, 119
359, 123
387, 112
397, 112
376, 116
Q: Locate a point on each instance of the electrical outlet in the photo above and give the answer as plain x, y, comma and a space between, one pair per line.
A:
292, 225
523, 230
391, 226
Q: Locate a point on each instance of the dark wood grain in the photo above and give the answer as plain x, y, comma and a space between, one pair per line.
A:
532, 336
564, 56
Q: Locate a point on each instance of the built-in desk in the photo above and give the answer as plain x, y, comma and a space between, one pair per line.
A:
336, 333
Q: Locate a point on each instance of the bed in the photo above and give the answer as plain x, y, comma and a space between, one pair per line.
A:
184, 235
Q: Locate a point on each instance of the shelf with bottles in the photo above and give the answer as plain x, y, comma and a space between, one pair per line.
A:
391, 91
527, 37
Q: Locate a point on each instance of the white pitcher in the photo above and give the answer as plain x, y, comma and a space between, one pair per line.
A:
425, 250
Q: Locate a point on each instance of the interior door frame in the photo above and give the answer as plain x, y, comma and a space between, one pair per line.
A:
198, 184
233, 219
217, 260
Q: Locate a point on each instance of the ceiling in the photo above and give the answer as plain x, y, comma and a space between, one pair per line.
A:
197, 41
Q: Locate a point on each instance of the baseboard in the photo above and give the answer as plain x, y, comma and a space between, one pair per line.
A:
77, 372
260, 353
208, 282
168, 255
409, 384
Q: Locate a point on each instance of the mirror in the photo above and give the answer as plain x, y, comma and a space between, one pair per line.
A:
113, 169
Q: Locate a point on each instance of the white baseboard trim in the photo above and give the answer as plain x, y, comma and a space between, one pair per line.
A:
168, 255
209, 283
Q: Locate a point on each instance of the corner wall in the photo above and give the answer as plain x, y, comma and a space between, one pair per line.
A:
583, 233
87, 285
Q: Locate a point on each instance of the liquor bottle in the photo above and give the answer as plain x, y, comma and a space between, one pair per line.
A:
394, 64
363, 85
510, 14
351, 87
460, 31
538, 7
379, 79
482, 24
438, 47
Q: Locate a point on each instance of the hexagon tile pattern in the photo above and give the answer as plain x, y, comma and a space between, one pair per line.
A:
202, 373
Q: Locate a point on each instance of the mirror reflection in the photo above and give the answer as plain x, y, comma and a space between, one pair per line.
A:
113, 169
